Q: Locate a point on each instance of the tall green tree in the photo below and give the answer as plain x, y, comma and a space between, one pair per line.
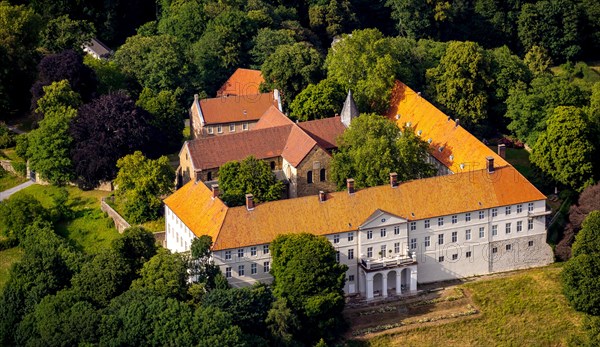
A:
165, 274
564, 151
249, 176
65, 33
167, 112
373, 147
185, 20
307, 275
18, 212
202, 267
267, 41
316, 101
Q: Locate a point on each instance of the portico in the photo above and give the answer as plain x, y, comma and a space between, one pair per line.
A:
379, 279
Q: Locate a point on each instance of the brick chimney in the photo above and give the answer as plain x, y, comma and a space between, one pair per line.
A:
350, 185
457, 121
394, 180
502, 151
215, 191
249, 202
490, 164
322, 196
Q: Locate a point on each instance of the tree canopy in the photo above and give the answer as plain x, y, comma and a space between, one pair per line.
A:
64, 33
316, 101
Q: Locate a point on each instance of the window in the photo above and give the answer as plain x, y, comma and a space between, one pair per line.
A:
413, 243
519, 208
227, 255
494, 230
481, 214
397, 247
241, 270
253, 251
350, 278
468, 254
336, 238
468, 217
494, 212
441, 258
397, 230
351, 254
427, 224
481, 232
309, 177
519, 226
350, 237
383, 249
413, 226
530, 224
508, 210
454, 236
244, 126
253, 269
369, 234
454, 256
468, 234
209, 130
220, 129
209, 176
495, 250
440, 221
266, 249
272, 165
427, 242
508, 228
322, 175
530, 244
454, 219
382, 232
228, 272
266, 267
508, 247
440, 239
240, 253
530, 207
337, 256
370, 252
231, 128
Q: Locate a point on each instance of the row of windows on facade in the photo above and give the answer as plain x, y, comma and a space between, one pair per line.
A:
179, 239
309, 176
468, 254
253, 269
241, 252
210, 129
454, 218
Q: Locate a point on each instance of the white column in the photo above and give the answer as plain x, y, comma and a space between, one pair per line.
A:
384, 286
398, 282
369, 283
413, 279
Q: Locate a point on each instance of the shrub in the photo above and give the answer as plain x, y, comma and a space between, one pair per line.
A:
6, 138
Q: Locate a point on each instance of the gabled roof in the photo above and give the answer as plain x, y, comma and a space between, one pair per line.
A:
457, 145
412, 200
242, 82
230, 109
98, 48
325, 131
272, 118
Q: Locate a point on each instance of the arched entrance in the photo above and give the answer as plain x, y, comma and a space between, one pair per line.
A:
378, 284
392, 282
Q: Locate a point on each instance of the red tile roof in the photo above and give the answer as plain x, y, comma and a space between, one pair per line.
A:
457, 144
242, 82
272, 118
325, 131
229, 109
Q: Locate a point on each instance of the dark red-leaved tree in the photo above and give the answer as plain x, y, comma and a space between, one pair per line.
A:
107, 129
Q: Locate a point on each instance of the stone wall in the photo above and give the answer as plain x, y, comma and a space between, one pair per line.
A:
120, 222
7, 165
316, 160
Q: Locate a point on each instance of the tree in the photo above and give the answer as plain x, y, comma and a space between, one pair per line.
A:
250, 176
373, 147
461, 80
18, 212
414, 19
332, 18
137, 246
64, 33
291, 68
106, 129
317, 101
267, 41
282, 322
109, 74
165, 274
185, 20
167, 113
202, 267
538, 60
581, 274
564, 151
49, 146
307, 275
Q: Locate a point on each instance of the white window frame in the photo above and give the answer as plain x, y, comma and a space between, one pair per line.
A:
454, 219
530, 224
440, 239
336, 238
369, 234
455, 236
440, 221
519, 226
530, 207
227, 255
382, 232
351, 253
241, 271
209, 130
369, 252
253, 269
265, 249
494, 212
232, 127
481, 232
427, 242
253, 251
244, 126
350, 237
240, 252
397, 230
396, 247
508, 228
468, 217
219, 129
519, 208
508, 210
494, 230
468, 234
413, 226
266, 267
427, 223
228, 272
413, 243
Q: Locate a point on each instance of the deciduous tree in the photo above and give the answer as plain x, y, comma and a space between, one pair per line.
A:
167, 112
316, 101
165, 274
267, 41
64, 33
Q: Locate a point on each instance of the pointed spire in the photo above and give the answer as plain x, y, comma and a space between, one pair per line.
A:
349, 111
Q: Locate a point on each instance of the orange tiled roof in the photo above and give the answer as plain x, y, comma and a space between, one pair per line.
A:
229, 109
413, 200
242, 82
272, 118
325, 131
458, 145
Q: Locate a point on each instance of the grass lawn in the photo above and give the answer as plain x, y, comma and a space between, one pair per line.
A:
7, 258
8, 180
522, 309
89, 229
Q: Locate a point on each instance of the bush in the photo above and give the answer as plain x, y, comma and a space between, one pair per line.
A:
6, 138
7, 244
20, 167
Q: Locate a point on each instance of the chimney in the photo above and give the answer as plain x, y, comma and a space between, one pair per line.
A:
394, 180
457, 121
195, 97
350, 185
249, 202
215, 191
490, 164
502, 151
322, 196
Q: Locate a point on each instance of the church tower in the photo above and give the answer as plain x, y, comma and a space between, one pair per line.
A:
349, 111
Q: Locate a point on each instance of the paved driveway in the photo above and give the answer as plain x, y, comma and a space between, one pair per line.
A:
7, 193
